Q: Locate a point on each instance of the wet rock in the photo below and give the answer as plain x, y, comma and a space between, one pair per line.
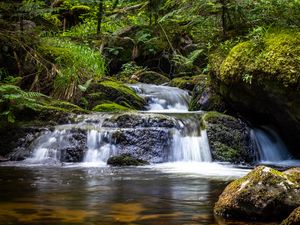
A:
139, 120
125, 160
151, 145
263, 194
293, 218
229, 138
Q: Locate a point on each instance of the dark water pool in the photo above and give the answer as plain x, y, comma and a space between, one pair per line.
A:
81, 195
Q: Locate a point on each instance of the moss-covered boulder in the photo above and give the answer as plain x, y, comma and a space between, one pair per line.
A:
263, 194
110, 91
205, 97
229, 138
126, 160
293, 218
260, 79
151, 77
187, 83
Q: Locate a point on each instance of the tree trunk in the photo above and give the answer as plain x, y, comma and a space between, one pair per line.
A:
100, 16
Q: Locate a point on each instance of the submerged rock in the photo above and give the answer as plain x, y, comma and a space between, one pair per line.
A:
263, 194
125, 160
229, 138
293, 218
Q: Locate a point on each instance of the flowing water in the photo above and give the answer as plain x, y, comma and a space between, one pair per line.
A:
181, 189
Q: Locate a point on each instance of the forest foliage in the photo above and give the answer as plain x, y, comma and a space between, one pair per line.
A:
59, 47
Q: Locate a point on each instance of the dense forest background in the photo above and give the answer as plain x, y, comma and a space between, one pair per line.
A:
58, 50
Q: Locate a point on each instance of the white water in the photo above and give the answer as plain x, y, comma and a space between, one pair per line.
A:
98, 150
163, 98
271, 148
190, 148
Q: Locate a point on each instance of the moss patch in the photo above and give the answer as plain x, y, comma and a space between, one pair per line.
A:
110, 107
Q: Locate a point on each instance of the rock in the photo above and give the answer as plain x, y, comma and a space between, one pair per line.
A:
204, 96
151, 77
263, 194
229, 138
260, 79
110, 91
132, 120
187, 83
293, 218
145, 136
125, 160
150, 144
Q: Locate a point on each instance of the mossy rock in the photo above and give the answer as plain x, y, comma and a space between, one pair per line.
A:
126, 160
151, 77
263, 194
259, 78
187, 83
110, 107
110, 91
204, 96
293, 218
229, 138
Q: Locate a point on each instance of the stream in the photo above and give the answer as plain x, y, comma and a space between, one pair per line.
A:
178, 187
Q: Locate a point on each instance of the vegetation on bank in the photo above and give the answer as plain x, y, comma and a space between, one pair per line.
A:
64, 49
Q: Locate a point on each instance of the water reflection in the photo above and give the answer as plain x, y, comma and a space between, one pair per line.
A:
78, 195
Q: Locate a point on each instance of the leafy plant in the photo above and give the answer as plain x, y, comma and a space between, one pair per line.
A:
13, 100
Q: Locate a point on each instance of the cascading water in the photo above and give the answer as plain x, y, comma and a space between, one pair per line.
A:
271, 147
94, 138
163, 98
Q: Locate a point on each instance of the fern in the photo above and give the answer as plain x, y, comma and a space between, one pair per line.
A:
13, 99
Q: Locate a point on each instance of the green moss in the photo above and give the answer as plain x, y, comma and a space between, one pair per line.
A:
213, 117
187, 83
111, 91
276, 58
81, 8
225, 153
150, 77
110, 107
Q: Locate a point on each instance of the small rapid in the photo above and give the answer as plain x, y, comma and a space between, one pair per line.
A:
163, 98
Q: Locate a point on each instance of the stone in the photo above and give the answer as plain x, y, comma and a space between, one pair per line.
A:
263, 194
125, 160
229, 138
293, 218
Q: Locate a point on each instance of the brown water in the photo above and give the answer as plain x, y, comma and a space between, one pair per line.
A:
81, 195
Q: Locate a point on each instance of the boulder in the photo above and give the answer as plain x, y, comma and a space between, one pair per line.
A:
259, 78
293, 218
151, 77
144, 136
125, 160
229, 138
204, 96
263, 194
110, 91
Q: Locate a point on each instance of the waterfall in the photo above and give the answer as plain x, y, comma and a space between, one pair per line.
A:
163, 98
270, 146
190, 148
98, 149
